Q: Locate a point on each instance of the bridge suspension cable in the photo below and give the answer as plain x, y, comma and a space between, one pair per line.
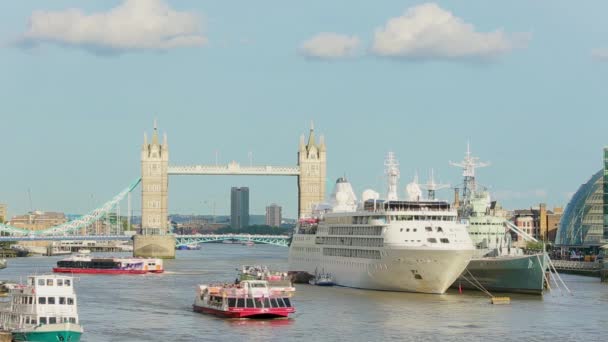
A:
82, 222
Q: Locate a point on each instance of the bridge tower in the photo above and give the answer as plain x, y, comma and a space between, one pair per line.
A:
312, 161
153, 241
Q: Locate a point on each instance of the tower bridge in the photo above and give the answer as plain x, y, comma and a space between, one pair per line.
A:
155, 170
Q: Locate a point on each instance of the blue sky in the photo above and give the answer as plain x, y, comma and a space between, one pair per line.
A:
523, 81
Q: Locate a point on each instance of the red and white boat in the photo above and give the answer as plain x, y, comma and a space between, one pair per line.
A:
246, 299
82, 263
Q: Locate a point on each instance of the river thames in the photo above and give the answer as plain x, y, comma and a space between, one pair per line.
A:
158, 307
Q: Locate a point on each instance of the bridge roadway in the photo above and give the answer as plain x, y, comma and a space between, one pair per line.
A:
180, 240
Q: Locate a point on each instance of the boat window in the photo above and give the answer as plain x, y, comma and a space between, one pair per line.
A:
280, 301
51, 300
73, 320
31, 300
68, 282
52, 320
33, 321
32, 281
27, 320
240, 302
61, 300
59, 282
231, 302
249, 302
49, 282
444, 240
40, 282
415, 229
287, 302
407, 230
266, 303
42, 320
70, 301
274, 303
428, 229
41, 300
432, 240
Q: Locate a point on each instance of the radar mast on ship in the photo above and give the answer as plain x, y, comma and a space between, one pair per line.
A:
392, 173
431, 187
469, 165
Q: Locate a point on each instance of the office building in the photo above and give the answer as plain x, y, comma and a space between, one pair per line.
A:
273, 215
239, 207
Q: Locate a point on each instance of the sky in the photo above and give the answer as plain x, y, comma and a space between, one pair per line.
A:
80, 81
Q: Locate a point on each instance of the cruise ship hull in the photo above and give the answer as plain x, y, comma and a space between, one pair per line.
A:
400, 269
514, 274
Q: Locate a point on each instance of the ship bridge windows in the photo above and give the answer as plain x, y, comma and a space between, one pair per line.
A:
41, 282
51, 300
41, 300
49, 282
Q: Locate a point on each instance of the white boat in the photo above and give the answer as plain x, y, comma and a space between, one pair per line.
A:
322, 279
43, 309
413, 245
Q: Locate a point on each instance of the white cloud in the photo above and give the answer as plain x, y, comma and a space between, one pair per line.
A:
600, 55
133, 25
429, 32
330, 46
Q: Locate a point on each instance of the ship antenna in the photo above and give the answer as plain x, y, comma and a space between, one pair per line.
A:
392, 173
468, 166
431, 187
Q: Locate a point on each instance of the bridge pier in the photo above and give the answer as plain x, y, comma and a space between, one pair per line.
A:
154, 246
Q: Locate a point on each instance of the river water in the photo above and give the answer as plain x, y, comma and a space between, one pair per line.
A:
158, 307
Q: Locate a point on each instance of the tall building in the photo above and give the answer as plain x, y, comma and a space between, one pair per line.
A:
312, 159
3, 215
273, 215
154, 184
239, 207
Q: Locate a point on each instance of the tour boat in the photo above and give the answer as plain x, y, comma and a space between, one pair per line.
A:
246, 299
91, 265
44, 309
262, 272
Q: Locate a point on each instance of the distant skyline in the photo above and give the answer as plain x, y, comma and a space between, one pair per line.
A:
524, 82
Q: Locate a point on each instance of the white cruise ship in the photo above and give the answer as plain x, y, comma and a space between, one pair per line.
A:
414, 245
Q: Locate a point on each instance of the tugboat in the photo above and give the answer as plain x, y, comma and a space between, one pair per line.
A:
44, 309
246, 299
82, 263
322, 279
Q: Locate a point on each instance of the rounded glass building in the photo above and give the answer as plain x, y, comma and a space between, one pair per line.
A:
585, 220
